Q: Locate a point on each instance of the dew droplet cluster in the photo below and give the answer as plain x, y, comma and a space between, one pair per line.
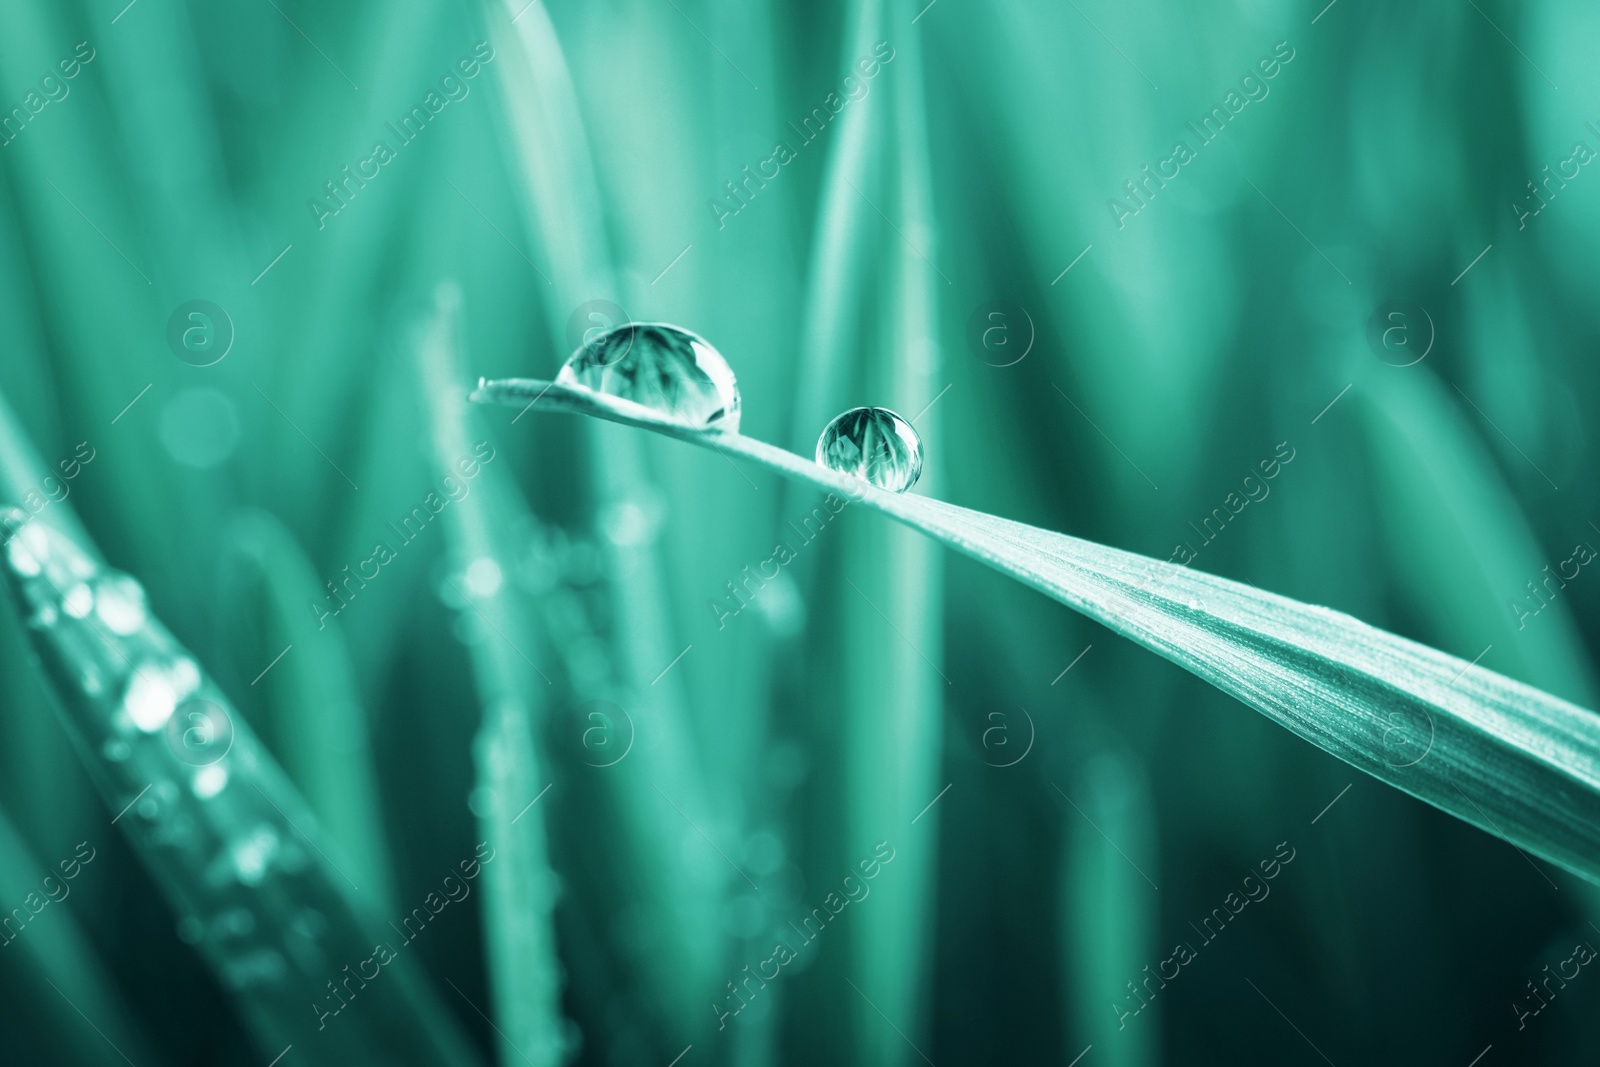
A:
678, 375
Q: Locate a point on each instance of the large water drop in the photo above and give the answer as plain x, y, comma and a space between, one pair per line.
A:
875, 445
662, 367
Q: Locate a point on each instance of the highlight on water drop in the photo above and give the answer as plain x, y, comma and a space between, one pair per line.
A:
875, 445
662, 367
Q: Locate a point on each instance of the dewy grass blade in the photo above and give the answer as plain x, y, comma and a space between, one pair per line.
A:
519, 922
1508, 758
230, 841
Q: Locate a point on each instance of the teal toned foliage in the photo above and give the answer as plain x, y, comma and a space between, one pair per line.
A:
1262, 305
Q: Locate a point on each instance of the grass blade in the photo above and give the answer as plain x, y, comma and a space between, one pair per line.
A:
513, 772
893, 688
1110, 906
232, 844
303, 686
556, 172
1508, 758
83, 1018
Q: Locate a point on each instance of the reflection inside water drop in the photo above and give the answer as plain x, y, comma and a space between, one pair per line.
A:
875, 445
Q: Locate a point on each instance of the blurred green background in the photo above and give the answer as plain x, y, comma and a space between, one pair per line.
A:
676, 789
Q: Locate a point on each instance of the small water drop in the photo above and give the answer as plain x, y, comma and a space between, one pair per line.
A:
35, 538
631, 522
22, 561
120, 605
252, 855
200, 428
209, 782
875, 445
782, 606
78, 566
662, 367
200, 732
155, 690
259, 967
78, 601
150, 698
233, 924
483, 577
185, 676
